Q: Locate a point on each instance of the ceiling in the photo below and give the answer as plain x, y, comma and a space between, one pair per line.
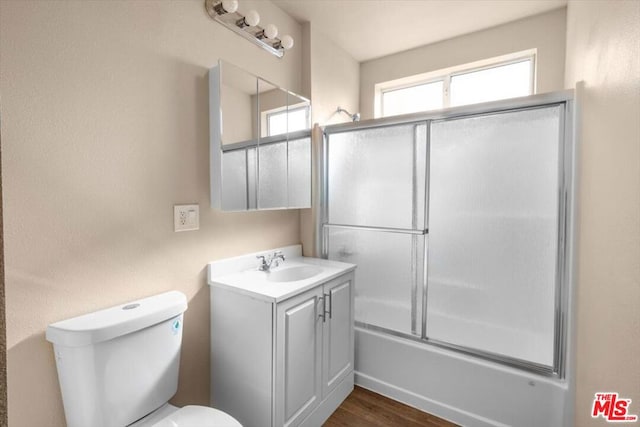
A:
370, 29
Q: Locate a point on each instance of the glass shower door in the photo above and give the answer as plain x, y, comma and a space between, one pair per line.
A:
375, 217
493, 232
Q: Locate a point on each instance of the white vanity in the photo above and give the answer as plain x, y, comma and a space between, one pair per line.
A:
282, 345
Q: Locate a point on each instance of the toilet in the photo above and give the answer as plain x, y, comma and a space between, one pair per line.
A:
119, 367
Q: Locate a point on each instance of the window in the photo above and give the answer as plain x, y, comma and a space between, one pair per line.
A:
497, 78
412, 99
286, 120
489, 84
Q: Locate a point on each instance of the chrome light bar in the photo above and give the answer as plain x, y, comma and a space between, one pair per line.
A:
226, 13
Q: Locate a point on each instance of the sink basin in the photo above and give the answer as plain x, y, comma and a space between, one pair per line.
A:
292, 274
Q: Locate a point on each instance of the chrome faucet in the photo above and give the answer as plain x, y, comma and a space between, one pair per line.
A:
268, 261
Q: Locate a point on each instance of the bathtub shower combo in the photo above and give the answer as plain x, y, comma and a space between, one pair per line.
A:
460, 222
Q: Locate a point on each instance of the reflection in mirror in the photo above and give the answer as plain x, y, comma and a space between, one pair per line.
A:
298, 113
272, 148
260, 148
238, 104
233, 105
298, 151
273, 109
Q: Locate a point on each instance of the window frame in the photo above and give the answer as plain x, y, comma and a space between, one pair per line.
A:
446, 74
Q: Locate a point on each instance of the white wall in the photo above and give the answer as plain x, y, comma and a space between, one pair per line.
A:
104, 128
603, 50
546, 32
333, 81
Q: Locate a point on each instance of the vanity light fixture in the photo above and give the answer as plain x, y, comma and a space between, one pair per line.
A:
226, 13
270, 31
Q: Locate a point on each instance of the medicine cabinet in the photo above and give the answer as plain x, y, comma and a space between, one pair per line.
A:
260, 143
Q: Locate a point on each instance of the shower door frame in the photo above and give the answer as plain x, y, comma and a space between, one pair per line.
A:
563, 312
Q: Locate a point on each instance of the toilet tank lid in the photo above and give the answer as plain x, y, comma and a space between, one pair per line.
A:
116, 321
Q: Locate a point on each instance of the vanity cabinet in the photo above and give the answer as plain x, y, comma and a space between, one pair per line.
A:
314, 348
282, 363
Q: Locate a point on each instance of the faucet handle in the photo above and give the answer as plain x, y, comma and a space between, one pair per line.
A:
265, 262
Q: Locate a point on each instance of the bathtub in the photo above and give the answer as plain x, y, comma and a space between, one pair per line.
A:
460, 388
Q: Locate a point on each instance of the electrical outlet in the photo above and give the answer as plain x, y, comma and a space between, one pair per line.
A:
186, 217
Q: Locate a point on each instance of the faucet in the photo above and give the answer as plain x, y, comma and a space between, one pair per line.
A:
267, 261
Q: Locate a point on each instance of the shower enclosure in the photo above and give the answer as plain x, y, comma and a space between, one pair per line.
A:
458, 221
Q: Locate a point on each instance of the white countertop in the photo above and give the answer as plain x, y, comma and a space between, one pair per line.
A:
254, 283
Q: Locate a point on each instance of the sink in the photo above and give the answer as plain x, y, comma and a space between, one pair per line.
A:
292, 274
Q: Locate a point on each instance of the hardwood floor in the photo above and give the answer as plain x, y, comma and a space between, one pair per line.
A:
364, 408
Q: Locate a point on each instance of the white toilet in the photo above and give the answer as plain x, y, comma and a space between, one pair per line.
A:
119, 367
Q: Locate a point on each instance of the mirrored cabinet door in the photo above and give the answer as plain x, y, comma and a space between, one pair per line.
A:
272, 147
272, 175
233, 106
299, 151
272, 107
260, 143
234, 179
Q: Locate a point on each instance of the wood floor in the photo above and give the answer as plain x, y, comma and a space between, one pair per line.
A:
364, 408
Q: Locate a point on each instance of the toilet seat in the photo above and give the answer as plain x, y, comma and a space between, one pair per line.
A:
198, 416
187, 416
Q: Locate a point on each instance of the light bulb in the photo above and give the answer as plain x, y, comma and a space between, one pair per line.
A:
286, 42
271, 31
252, 18
230, 6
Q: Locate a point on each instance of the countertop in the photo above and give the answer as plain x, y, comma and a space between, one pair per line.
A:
255, 284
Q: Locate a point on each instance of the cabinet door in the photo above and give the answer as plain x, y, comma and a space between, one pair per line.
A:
298, 358
337, 357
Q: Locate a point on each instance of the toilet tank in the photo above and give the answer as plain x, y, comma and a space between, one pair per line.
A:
117, 365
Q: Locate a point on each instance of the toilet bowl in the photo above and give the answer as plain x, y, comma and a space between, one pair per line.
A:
119, 367
187, 416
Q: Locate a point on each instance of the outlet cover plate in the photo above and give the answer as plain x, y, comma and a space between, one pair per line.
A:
186, 217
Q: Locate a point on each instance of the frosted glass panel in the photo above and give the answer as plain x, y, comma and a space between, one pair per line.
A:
252, 178
272, 171
388, 266
493, 215
234, 180
371, 170
299, 173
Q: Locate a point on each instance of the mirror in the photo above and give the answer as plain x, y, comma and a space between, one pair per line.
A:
238, 95
299, 152
260, 143
272, 147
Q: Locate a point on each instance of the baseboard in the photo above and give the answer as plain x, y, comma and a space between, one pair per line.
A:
330, 403
439, 409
